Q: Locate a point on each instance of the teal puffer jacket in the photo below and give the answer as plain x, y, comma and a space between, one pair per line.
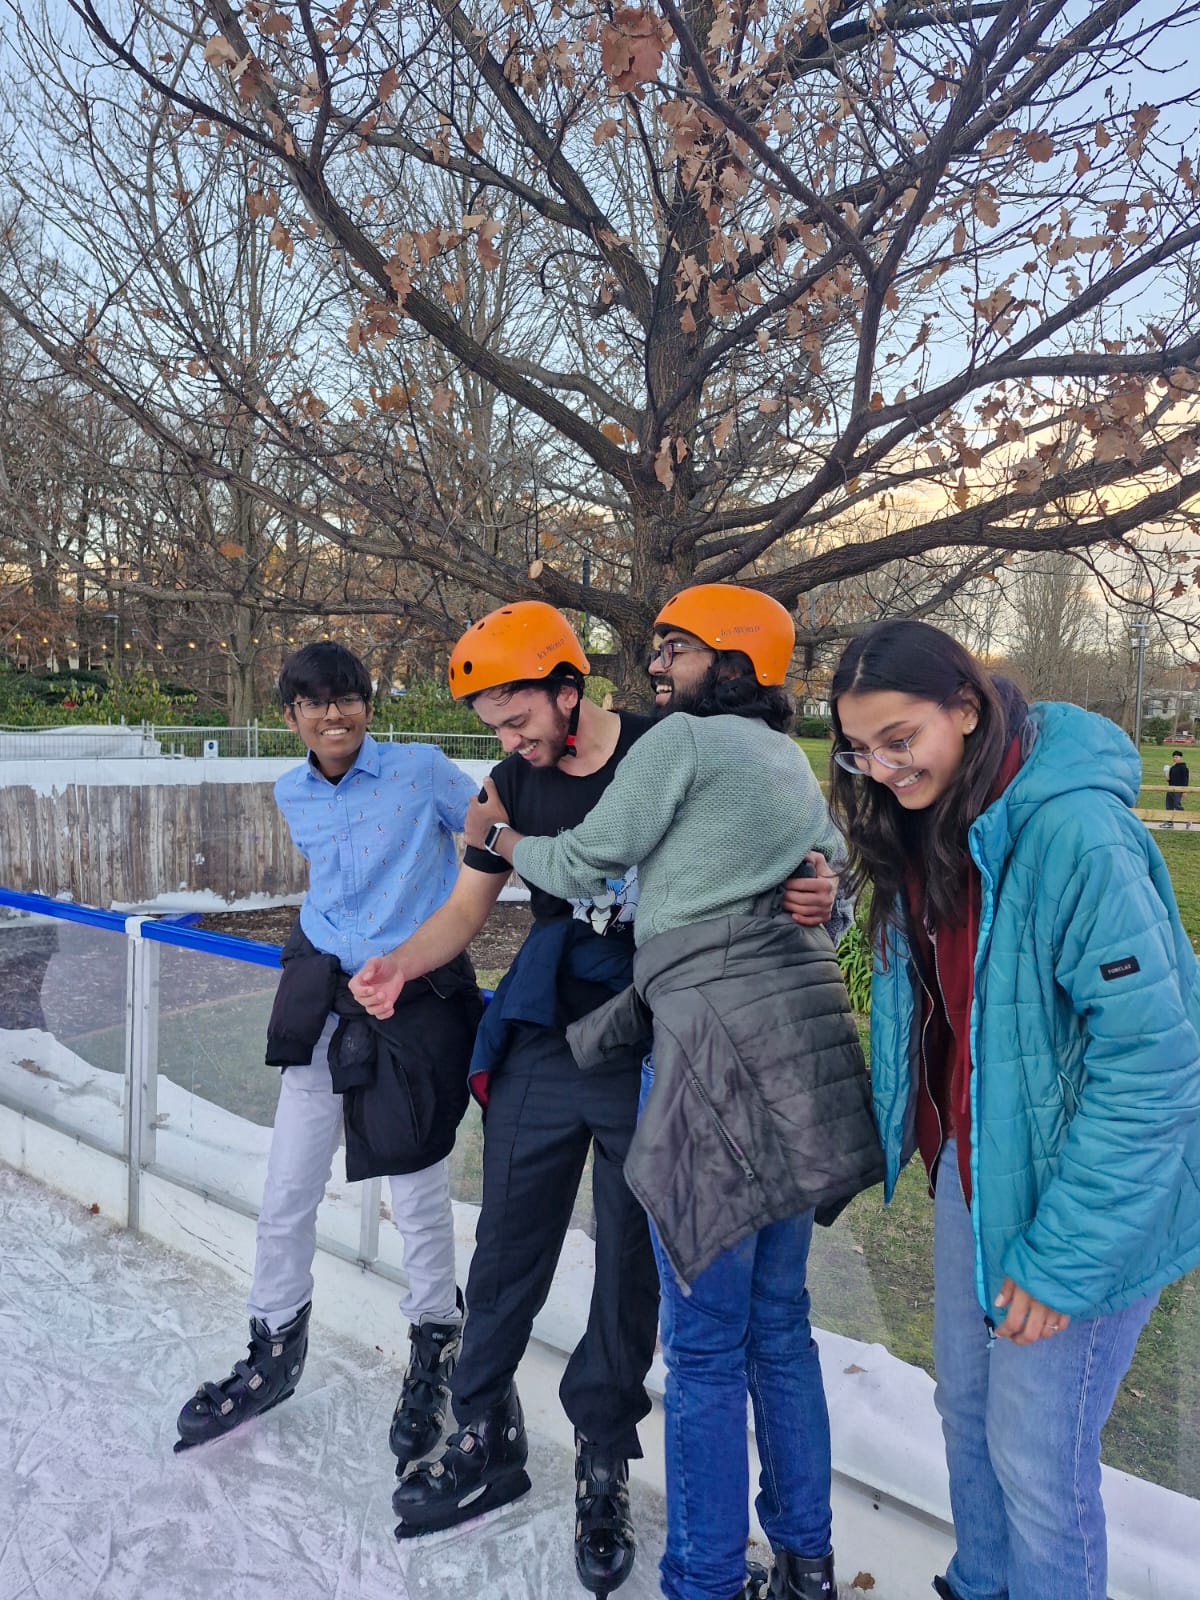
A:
1085, 1036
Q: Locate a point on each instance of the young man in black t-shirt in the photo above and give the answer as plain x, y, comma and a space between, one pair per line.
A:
522, 668
525, 669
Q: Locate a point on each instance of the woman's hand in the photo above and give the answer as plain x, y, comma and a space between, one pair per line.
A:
484, 809
1027, 1319
810, 900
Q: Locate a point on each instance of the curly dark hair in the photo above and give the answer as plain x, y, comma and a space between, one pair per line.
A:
730, 689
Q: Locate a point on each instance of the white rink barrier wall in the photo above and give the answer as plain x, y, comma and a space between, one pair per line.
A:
111, 1088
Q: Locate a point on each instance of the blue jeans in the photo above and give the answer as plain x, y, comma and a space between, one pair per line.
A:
742, 1328
1022, 1427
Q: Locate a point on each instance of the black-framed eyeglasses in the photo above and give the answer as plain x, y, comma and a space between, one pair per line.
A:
670, 648
349, 704
896, 754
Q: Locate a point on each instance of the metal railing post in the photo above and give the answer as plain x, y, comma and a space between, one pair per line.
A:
141, 1062
368, 1222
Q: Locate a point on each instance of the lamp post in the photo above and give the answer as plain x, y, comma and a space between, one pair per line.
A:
1138, 632
115, 618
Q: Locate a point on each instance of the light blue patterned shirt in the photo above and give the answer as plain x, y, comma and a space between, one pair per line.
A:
379, 845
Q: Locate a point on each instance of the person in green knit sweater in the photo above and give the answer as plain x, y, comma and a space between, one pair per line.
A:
717, 806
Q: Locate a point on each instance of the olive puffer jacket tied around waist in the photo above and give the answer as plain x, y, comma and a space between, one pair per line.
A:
761, 1105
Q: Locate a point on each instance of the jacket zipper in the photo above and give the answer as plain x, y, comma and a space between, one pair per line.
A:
924, 1053
988, 1321
729, 1141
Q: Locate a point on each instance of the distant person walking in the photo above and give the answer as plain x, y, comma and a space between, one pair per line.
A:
1178, 777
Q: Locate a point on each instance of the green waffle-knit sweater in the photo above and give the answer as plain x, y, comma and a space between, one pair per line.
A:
713, 810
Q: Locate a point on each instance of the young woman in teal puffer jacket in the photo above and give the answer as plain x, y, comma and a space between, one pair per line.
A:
1035, 1033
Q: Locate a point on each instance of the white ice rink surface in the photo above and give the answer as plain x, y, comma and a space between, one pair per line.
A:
102, 1338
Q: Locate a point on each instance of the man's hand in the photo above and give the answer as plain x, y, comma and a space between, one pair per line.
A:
484, 809
810, 900
1028, 1320
377, 985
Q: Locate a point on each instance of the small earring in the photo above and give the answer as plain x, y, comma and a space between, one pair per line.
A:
972, 728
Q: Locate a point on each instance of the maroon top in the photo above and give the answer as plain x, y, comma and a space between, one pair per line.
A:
945, 958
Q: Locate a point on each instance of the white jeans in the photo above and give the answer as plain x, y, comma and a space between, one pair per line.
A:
308, 1122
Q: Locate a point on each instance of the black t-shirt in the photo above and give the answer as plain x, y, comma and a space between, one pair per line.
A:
544, 801
1178, 775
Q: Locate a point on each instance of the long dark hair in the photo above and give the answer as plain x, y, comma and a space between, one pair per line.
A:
884, 839
730, 688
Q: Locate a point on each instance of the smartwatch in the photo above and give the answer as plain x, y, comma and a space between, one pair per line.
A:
491, 836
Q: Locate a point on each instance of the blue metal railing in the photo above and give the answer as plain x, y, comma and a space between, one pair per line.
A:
170, 928
66, 910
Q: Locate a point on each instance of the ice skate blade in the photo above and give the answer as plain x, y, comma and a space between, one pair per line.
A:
493, 1495
190, 1444
604, 1585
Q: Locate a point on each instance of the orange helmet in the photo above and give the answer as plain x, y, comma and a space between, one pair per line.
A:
525, 640
729, 617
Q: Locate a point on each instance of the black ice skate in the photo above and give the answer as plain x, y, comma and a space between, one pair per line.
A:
268, 1375
482, 1467
420, 1412
755, 1587
802, 1577
605, 1545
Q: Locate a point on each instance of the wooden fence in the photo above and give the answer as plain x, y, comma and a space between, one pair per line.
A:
121, 844
140, 832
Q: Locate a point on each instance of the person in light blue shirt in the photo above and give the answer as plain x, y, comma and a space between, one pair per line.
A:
378, 839
376, 823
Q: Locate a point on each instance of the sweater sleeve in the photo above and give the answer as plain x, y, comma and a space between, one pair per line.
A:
1122, 1159
631, 817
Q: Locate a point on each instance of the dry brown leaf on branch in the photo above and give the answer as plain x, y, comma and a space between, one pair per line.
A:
282, 240
218, 52
617, 433
263, 205
1143, 120
631, 48
985, 207
999, 141
1112, 444
489, 256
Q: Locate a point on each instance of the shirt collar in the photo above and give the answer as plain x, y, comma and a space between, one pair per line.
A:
367, 760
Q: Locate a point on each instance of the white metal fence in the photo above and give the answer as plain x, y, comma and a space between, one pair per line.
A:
105, 741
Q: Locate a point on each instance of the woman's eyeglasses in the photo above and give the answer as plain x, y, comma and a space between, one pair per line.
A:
669, 649
896, 754
349, 704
